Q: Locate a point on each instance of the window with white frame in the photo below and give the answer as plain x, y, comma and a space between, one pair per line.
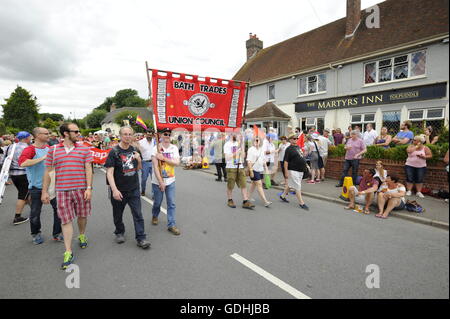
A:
312, 84
271, 92
361, 120
308, 122
396, 68
422, 118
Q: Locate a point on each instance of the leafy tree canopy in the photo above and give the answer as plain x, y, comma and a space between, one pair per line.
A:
21, 110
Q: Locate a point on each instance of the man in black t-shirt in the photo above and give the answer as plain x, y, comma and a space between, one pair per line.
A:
294, 168
122, 166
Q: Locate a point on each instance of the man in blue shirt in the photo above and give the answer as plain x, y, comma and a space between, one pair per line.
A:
32, 158
405, 136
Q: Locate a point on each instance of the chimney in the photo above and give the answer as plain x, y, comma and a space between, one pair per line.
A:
112, 107
353, 17
253, 45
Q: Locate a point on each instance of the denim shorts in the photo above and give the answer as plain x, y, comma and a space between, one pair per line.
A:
415, 174
257, 176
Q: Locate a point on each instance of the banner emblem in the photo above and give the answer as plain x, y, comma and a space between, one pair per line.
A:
198, 104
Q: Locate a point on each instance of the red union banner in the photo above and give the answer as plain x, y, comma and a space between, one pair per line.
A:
99, 155
181, 100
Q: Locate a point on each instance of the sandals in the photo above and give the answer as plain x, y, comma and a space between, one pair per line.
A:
348, 207
366, 211
381, 216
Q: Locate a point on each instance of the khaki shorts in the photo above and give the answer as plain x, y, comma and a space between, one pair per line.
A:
234, 178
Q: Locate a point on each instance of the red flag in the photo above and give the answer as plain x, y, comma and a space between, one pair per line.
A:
181, 100
99, 155
258, 133
301, 140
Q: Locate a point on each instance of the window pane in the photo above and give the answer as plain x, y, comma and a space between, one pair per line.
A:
272, 92
312, 84
322, 83
437, 125
435, 113
400, 59
401, 71
356, 118
302, 89
320, 124
311, 121
416, 114
385, 74
369, 117
385, 63
370, 73
392, 122
418, 61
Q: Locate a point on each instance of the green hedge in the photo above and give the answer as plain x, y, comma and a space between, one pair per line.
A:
397, 153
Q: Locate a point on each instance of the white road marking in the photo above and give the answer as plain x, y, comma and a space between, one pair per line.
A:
143, 197
277, 282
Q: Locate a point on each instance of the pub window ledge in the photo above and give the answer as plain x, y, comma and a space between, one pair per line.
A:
395, 81
312, 94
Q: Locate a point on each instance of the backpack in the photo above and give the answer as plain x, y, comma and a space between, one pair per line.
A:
413, 206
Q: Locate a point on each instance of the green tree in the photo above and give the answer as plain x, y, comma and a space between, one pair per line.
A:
106, 105
122, 95
21, 110
135, 101
54, 116
95, 118
50, 124
2, 128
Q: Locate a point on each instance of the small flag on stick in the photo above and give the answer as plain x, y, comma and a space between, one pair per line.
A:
140, 122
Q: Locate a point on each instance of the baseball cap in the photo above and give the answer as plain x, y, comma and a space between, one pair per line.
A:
22, 134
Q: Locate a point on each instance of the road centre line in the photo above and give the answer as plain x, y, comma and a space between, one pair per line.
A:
277, 282
143, 197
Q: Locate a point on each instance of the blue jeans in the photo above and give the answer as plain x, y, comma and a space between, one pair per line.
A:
170, 199
145, 172
354, 164
415, 174
133, 199
35, 213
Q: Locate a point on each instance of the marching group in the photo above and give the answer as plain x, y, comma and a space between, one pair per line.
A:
60, 173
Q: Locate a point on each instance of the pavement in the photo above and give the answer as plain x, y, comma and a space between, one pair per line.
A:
280, 252
436, 210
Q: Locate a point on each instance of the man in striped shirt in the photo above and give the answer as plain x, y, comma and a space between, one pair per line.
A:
73, 175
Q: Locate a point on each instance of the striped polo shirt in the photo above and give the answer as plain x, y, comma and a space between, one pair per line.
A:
70, 169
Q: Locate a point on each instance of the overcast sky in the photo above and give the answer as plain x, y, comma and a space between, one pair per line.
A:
73, 54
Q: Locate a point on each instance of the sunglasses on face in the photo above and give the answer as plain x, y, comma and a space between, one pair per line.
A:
74, 131
166, 134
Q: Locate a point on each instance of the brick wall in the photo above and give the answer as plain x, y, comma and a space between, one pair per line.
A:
435, 178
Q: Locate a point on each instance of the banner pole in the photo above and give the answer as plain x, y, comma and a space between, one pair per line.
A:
155, 127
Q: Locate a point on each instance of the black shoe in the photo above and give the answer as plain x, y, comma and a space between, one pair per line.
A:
20, 220
218, 179
338, 185
274, 183
120, 238
142, 193
284, 199
304, 206
144, 244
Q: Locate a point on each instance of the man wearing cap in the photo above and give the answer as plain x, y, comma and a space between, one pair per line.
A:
146, 146
32, 159
19, 175
165, 157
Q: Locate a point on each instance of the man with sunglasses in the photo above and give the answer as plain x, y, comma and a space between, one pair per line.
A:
73, 182
32, 158
165, 157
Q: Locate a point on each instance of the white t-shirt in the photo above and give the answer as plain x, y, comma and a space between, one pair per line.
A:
400, 188
229, 148
382, 178
369, 137
167, 171
269, 147
256, 156
324, 143
146, 148
282, 151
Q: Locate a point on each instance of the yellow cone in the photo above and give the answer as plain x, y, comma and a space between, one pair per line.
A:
205, 163
348, 182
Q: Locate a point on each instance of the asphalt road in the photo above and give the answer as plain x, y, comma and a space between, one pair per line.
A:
292, 253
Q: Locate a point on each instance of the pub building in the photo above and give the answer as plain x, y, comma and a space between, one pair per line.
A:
381, 65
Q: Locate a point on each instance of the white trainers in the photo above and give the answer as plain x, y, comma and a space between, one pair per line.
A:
408, 193
419, 194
